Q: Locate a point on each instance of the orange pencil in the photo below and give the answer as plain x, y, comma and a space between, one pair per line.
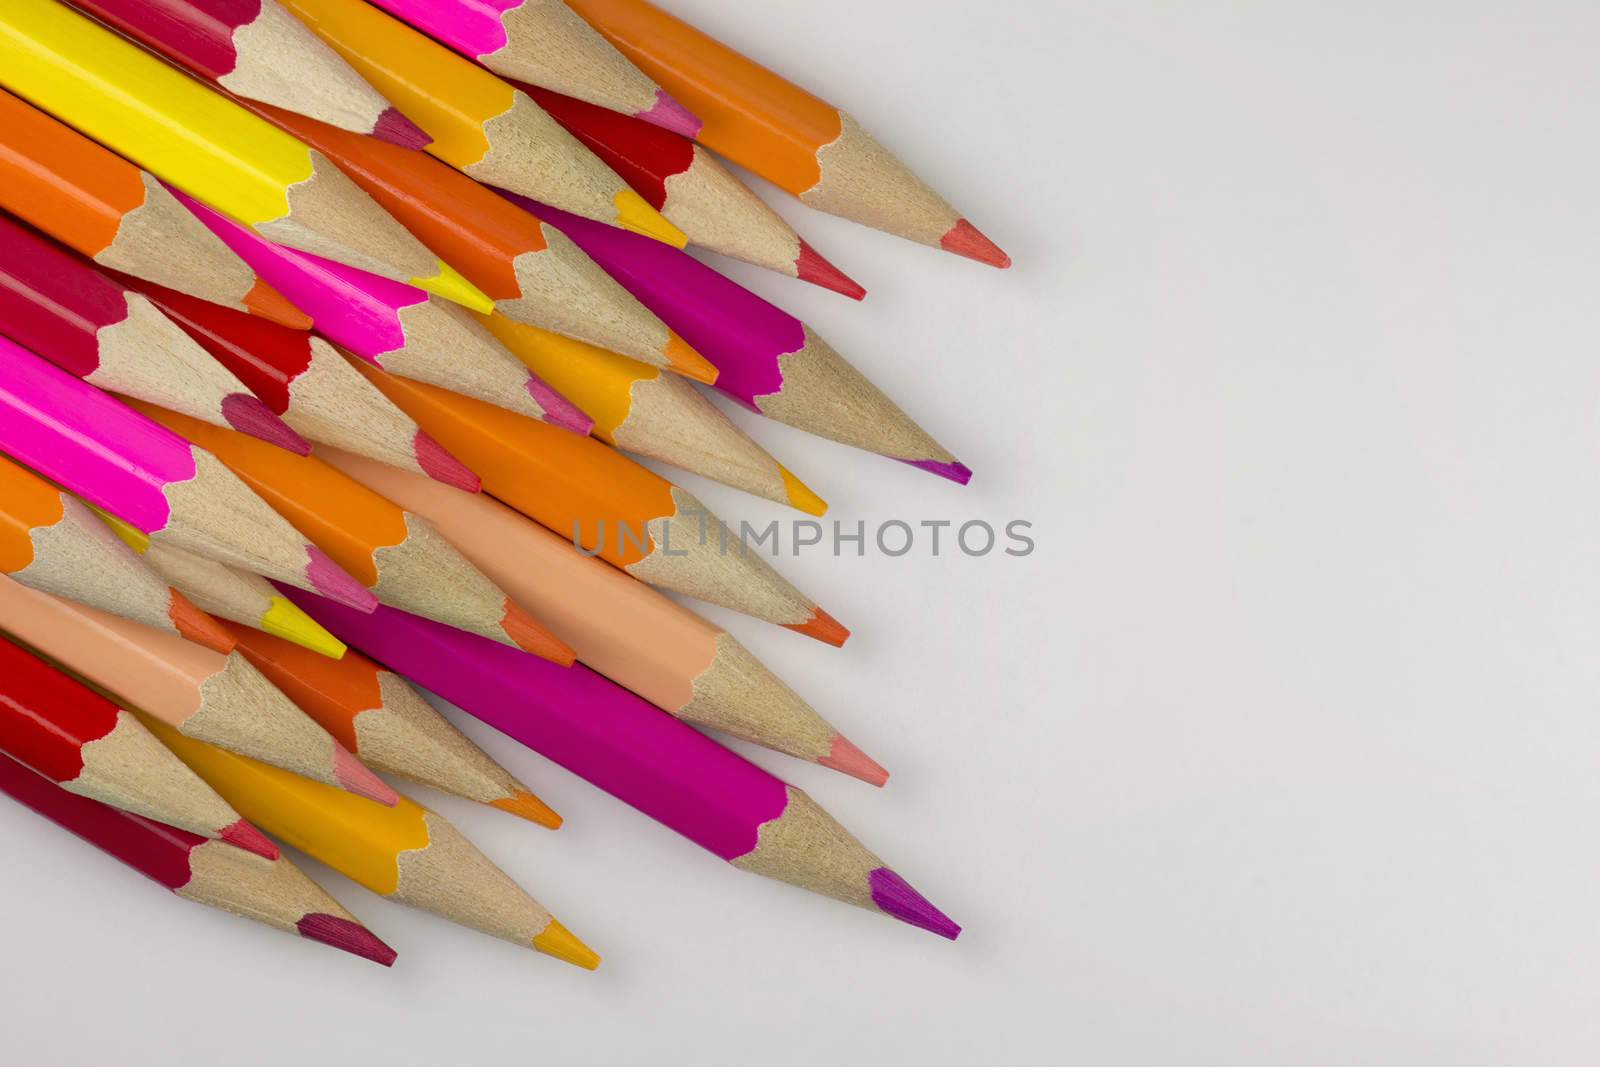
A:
93, 200
778, 130
632, 518
51, 542
399, 556
377, 715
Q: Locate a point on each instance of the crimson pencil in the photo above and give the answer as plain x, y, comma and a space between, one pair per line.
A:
198, 869
59, 305
633, 751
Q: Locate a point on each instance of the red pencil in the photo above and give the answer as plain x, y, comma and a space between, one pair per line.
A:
694, 192
197, 869
306, 380
87, 745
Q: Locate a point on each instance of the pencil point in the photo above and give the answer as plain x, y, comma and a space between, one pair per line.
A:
394, 127
965, 240
671, 115
558, 941
354, 776
683, 359
347, 936
822, 627
268, 303
529, 807
635, 214
437, 463
246, 413
242, 835
448, 283
284, 619
558, 410
811, 267
894, 896
959, 473
330, 580
848, 759
532, 637
800, 495
195, 625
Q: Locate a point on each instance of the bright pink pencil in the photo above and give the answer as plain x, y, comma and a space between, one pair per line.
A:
546, 43
257, 50
396, 327
114, 457
767, 359
639, 754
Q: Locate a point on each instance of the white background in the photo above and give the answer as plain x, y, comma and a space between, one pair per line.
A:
1282, 747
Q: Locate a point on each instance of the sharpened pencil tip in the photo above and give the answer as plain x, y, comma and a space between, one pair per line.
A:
959, 473
894, 896
800, 494
267, 302
437, 463
242, 835
283, 618
449, 284
848, 759
529, 807
530, 636
810, 267
394, 127
346, 935
964, 240
635, 215
558, 410
246, 413
671, 115
195, 625
328, 579
354, 776
822, 627
681, 358
559, 942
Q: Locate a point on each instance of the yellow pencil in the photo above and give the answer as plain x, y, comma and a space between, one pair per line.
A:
205, 144
480, 125
406, 853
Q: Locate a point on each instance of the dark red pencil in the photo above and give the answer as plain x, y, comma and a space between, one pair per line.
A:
62, 307
273, 892
305, 380
693, 191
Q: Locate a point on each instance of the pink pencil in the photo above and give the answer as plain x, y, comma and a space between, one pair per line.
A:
396, 327
114, 457
548, 44
767, 359
640, 755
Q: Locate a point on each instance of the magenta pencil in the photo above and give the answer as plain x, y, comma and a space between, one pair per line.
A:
548, 44
767, 359
119, 460
639, 754
396, 327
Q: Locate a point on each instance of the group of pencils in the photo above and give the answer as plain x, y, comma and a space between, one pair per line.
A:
324, 328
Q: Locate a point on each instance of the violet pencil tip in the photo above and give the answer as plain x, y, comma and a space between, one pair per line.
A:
394, 127
894, 896
956, 472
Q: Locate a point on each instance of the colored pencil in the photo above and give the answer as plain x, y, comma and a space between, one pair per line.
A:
256, 50
546, 43
307, 382
397, 327
58, 305
776, 129
198, 869
190, 136
407, 853
767, 359
119, 216
694, 192
87, 745
118, 460
627, 631
483, 127
226, 592
216, 698
377, 715
51, 542
632, 518
615, 740
531, 271
637, 408
399, 556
